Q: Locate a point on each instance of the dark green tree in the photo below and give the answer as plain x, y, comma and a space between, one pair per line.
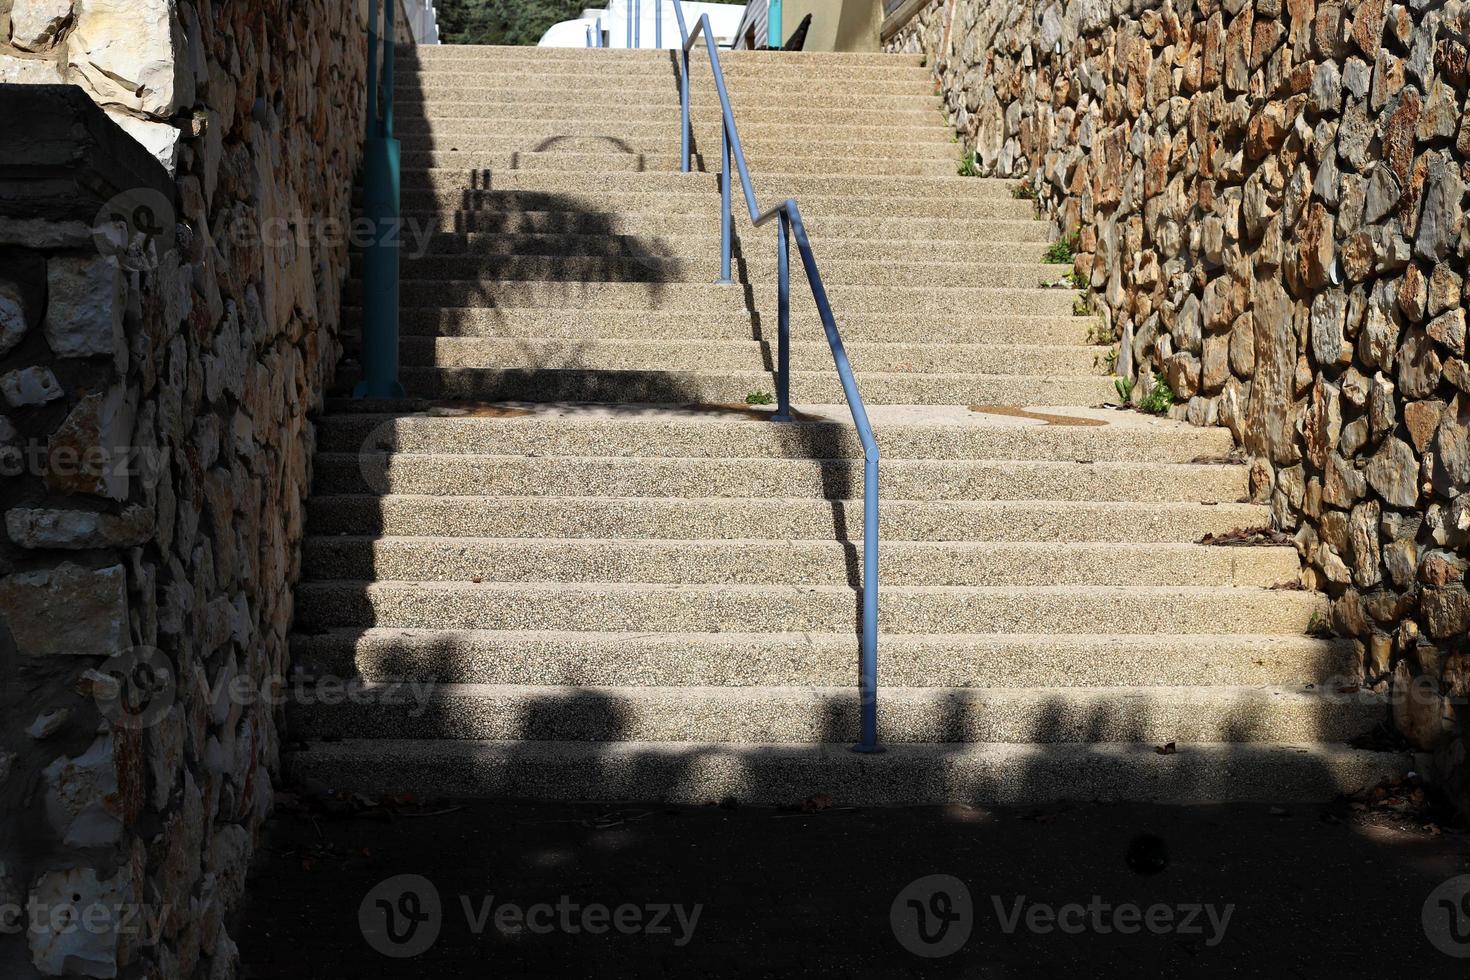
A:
501, 21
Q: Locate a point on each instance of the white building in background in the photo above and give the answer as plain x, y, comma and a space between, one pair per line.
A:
644, 16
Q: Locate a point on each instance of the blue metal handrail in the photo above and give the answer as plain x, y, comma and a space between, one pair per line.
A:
381, 199
791, 225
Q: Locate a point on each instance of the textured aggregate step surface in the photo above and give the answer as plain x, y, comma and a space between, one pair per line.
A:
575, 563
947, 660
771, 775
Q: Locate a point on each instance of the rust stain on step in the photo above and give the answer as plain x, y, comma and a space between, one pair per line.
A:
1015, 411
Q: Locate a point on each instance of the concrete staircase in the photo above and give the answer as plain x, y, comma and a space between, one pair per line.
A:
624, 582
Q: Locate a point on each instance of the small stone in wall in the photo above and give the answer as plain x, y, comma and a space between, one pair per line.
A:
84, 317
29, 387
76, 529
66, 611
13, 320
1449, 330
48, 723
1394, 473
64, 949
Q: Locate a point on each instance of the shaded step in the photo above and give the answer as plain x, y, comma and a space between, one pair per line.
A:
822, 659
571, 158
652, 226
469, 270
769, 775
916, 113
812, 562
571, 87
696, 355
729, 386
807, 714
731, 300
760, 148
549, 322
542, 132
656, 517
758, 248
822, 609
770, 183
625, 61
841, 479
446, 203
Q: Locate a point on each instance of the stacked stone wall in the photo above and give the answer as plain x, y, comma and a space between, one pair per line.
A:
170, 286
1268, 203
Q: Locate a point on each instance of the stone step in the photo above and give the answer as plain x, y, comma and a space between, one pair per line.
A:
573, 88
757, 251
558, 158
822, 659
983, 326
706, 298
769, 183
909, 113
648, 387
659, 518
782, 609
620, 62
824, 229
464, 272
445, 204
785, 774
831, 479
818, 431
812, 562
769, 714
762, 148
474, 353
646, 135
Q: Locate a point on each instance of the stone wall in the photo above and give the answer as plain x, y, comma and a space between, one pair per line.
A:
168, 322
1268, 201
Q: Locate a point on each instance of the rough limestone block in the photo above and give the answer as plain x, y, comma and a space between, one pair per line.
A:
62, 949
66, 611
84, 317
126, 52
35, 24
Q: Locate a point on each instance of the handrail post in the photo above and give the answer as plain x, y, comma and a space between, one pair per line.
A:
868, 667
783, 320
684, 113
637, 23
381, 199
725, 218
773, 25
628, 16
658, 24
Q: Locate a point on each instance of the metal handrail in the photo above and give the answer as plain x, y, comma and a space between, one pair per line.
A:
381, 199
791, 224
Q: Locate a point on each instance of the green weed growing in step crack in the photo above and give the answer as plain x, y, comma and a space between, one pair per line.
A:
969, 165
1125, 388
1023, 191
1062, 252
1160, 399
759, 398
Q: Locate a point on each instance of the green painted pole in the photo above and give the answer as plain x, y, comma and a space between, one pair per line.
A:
773, 24
381, 183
